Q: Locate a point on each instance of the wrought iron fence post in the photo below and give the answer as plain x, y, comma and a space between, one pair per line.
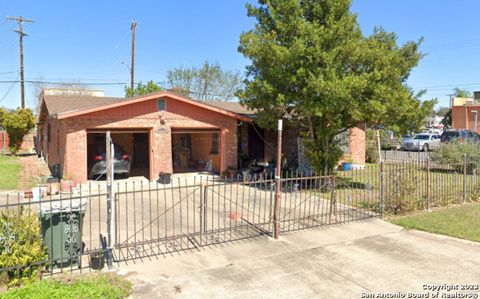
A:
203, 210
428, 184
465, 178
333, 200
382, 188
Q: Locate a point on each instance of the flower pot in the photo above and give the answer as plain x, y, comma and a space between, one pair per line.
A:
164, 178
53, 188
97, 260
67, 185
346, 166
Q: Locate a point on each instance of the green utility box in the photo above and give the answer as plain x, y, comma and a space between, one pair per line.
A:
61, 223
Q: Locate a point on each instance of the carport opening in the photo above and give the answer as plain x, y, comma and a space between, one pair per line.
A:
134, 144
196, 151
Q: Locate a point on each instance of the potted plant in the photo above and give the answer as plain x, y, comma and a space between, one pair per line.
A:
67, 184
229, 172
97, 260
53, 186
347, 163
164, 178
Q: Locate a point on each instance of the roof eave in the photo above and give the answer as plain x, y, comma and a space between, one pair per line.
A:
147, 98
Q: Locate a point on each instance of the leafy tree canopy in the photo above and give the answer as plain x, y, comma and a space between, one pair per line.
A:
206, 83
17, 123
461, 93
142, 89
311, 65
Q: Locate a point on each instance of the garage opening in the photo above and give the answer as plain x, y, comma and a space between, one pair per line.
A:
132, 154
196, 151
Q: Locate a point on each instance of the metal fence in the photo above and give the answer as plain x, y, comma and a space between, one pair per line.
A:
152, 219
73, 229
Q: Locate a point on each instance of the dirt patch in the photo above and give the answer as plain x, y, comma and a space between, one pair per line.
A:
33, 171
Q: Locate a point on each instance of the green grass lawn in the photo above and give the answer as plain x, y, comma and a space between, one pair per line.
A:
456, 221
108, 286
9, 173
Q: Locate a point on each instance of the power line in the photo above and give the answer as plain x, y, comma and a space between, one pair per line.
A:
9, 72
446, 85
65, 83
10, 88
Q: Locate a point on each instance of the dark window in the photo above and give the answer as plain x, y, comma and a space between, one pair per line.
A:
215, 144
161, 105
186, 141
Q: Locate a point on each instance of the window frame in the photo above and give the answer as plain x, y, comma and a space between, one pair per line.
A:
215, 146
161, 107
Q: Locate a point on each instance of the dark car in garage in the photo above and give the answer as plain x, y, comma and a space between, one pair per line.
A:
121, 163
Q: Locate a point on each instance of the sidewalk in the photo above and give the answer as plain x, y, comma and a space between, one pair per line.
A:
334, 262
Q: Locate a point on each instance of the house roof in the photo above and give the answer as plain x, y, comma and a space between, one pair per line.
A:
69, 106
235, 107
59, 104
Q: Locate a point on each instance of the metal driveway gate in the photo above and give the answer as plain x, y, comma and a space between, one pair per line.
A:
155, 219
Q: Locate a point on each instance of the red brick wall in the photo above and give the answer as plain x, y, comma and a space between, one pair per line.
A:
290, 146
357, 144
464, 118
144, 115
7, 141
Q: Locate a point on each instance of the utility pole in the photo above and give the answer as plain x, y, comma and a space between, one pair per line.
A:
20, 32
132, 67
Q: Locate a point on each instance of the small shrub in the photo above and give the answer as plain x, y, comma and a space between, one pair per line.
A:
21, 246
455, 151
402, 195
371, 153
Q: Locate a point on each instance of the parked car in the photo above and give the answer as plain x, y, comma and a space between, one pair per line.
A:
421, 142
389, 141
121, 163
461, 135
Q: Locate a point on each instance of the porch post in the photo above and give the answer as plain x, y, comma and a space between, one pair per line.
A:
223, 152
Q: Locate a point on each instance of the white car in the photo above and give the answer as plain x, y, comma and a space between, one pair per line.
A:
421, 142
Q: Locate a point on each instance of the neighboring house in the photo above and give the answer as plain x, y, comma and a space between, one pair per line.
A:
162, 132
435, 121
463, 113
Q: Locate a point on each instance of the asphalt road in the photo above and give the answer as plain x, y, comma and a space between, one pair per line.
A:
404, 155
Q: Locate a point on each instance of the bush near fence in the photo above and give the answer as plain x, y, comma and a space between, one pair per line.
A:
400, 187
21, 247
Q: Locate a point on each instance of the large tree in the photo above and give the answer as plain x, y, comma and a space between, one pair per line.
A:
208, 82
311, 65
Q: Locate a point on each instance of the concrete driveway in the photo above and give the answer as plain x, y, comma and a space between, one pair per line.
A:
356, 260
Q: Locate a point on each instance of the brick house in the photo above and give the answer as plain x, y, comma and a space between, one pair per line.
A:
162, 131
463, 113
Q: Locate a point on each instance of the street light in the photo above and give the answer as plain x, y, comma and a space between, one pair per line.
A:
475, 120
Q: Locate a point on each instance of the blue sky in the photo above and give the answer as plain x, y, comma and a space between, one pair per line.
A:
85, 41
